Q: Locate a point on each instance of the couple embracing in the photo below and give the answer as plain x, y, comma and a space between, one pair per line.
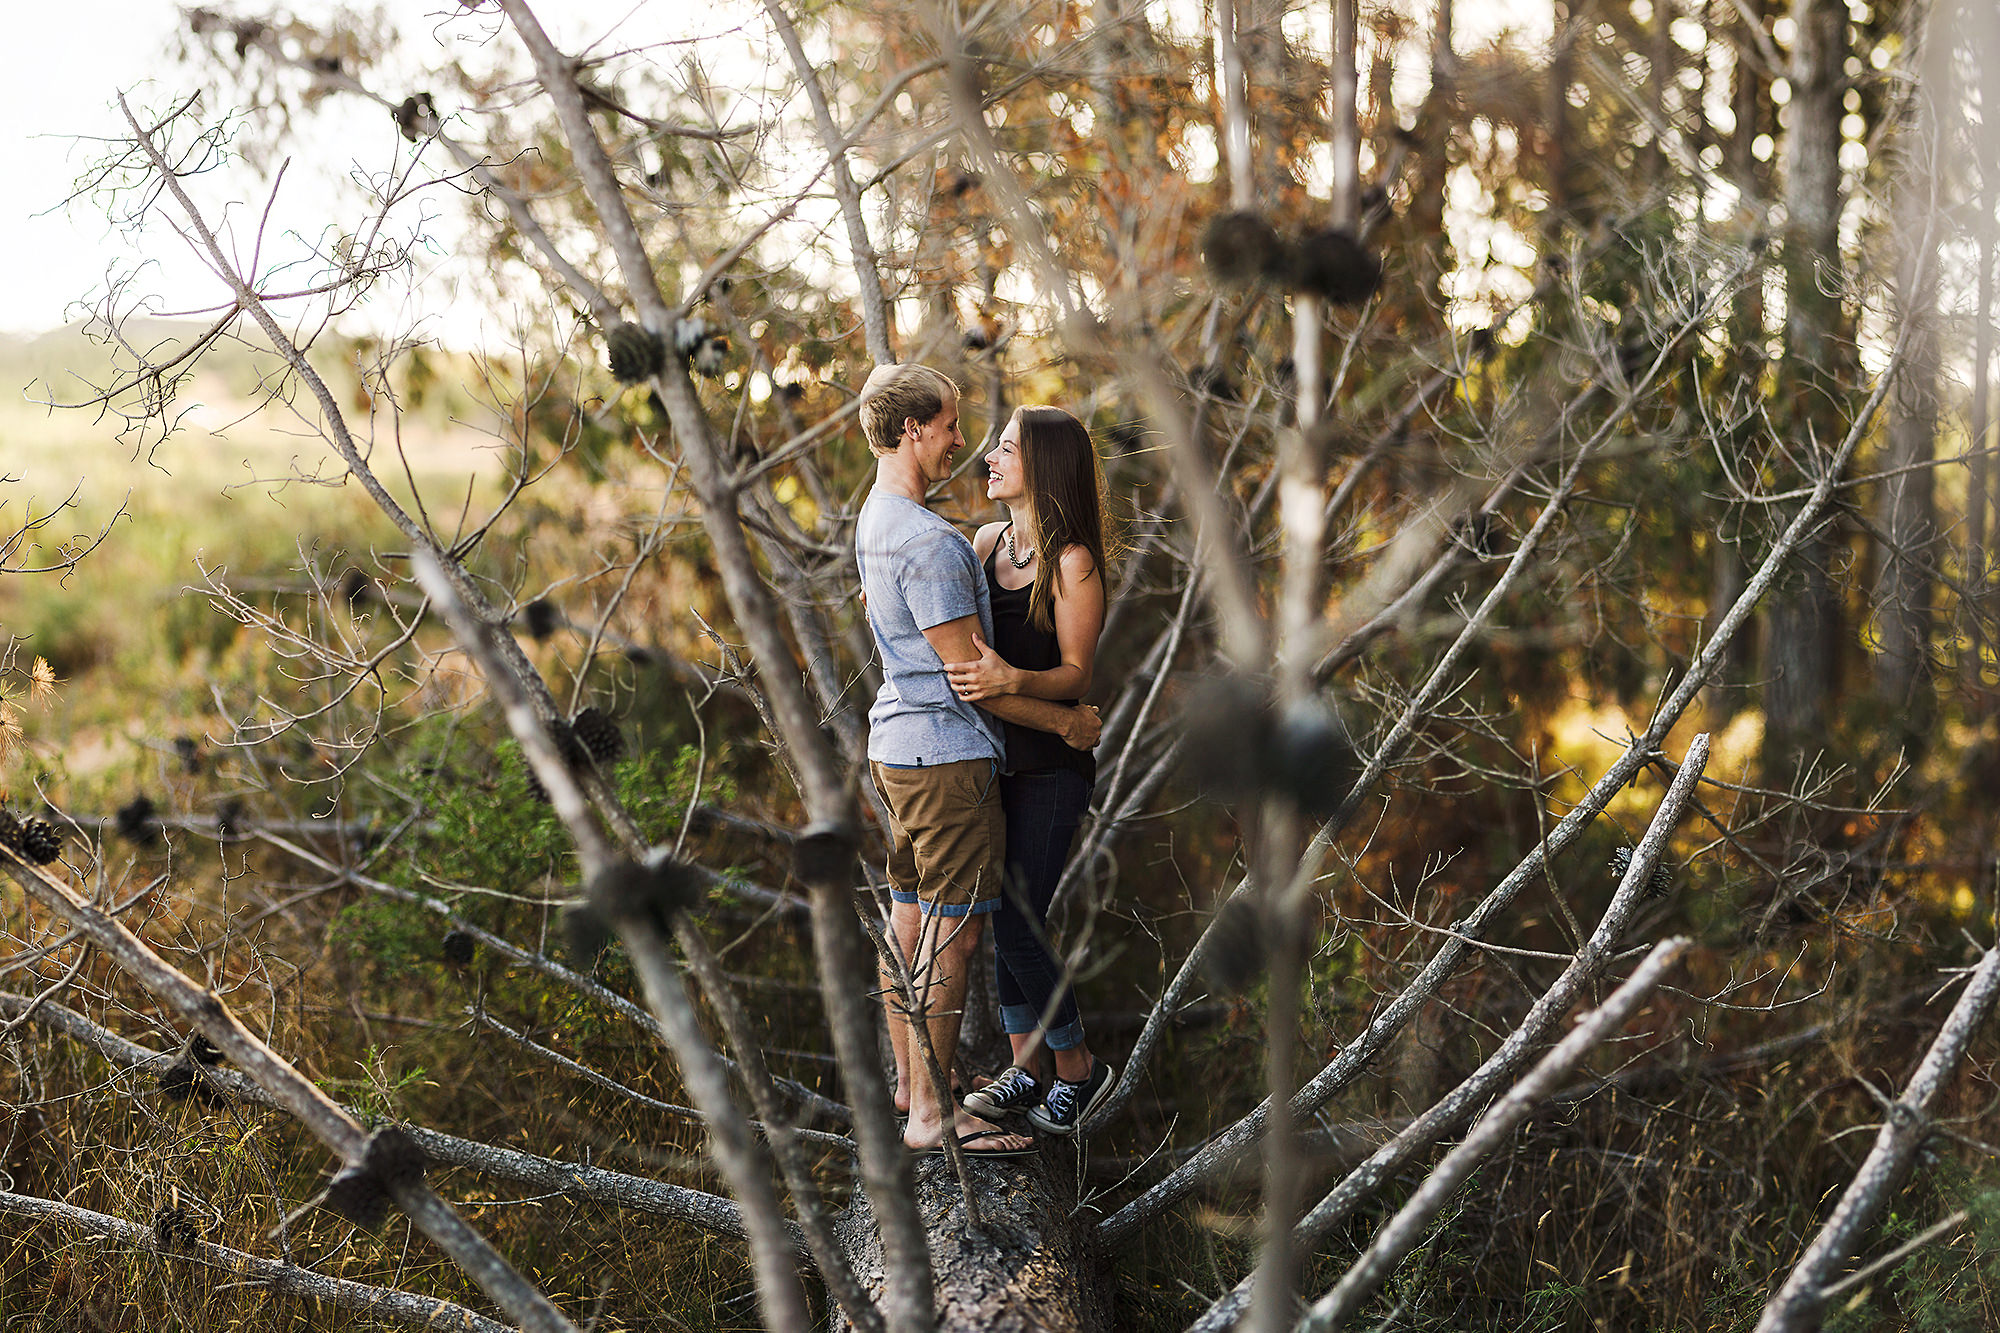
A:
977, 744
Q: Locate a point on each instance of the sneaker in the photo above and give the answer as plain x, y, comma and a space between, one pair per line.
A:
1014, 1090
1068, 1104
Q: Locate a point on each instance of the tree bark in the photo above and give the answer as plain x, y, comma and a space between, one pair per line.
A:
1804, 625
1907, 523
1029, 1268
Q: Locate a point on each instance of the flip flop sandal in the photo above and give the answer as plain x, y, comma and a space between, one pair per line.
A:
965, 1142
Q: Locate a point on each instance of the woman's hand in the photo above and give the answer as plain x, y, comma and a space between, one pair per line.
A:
983, 678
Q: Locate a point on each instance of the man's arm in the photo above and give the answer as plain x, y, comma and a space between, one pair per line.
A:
1078, 727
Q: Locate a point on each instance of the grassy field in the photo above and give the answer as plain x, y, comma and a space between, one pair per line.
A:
245, 488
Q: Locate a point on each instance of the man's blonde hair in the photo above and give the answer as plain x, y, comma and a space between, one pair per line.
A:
895, 394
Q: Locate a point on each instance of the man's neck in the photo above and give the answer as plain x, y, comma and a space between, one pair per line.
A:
898, 474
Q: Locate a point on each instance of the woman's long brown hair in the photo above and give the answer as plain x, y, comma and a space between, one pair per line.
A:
1059, 471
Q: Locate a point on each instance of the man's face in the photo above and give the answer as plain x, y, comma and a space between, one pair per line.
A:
935, 443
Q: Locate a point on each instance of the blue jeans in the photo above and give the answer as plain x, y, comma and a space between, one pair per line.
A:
1043, 810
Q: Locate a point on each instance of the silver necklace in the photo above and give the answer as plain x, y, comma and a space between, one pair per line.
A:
1017, 561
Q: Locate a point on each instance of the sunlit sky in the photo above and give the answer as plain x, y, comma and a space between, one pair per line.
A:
67, 62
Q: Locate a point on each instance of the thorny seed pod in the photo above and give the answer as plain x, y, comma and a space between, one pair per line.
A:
540, 618
1241, 248
1658, 884
183, 1080
362, 1191
1226, 735
415, 116
588, 932
229, 818
1333, 265
823, 853
633, 353
1239, 948
1312, 760
655, 889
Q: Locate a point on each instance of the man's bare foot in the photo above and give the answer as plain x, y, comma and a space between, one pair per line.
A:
921, 1136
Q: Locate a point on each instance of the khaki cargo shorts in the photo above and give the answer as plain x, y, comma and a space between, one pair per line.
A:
947, 835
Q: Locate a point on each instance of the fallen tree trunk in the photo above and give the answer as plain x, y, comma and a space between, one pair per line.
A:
1023, 1265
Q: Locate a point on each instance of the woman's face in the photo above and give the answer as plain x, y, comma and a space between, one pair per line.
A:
1005, 481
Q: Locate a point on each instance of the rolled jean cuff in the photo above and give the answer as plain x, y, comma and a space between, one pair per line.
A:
1017, 1020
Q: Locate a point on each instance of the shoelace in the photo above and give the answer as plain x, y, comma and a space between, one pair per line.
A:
1010, 1086
1062, 1099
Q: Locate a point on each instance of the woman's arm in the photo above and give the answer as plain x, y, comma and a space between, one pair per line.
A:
1079, 619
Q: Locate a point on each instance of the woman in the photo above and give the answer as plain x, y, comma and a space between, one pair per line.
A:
1045, 570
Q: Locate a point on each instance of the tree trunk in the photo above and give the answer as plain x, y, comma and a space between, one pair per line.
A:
1906, 520
1027, 1267
1980, 26
1804, 626
1749, 102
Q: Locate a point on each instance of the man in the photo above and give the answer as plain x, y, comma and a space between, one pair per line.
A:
934, 757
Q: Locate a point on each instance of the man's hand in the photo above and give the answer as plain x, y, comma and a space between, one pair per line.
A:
1082, 727
983, 677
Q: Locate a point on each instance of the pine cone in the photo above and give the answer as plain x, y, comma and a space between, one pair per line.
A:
138, 820
1240, 248
540, 618
1332, 265
40, 841
567, 745
174, 1229
1658, 885
599, 736
633, 353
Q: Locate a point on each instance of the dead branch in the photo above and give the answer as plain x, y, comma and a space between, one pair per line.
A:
360, 1298
1801, 1300
1402, 1232
298, 1096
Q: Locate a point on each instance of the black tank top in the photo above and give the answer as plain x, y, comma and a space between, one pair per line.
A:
1022, 645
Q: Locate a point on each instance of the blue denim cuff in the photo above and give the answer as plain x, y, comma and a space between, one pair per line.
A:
1018, 1020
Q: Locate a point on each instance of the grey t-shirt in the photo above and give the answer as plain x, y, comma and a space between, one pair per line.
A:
918, 572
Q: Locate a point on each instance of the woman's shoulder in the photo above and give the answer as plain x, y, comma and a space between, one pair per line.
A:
1076, 564
988, 536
